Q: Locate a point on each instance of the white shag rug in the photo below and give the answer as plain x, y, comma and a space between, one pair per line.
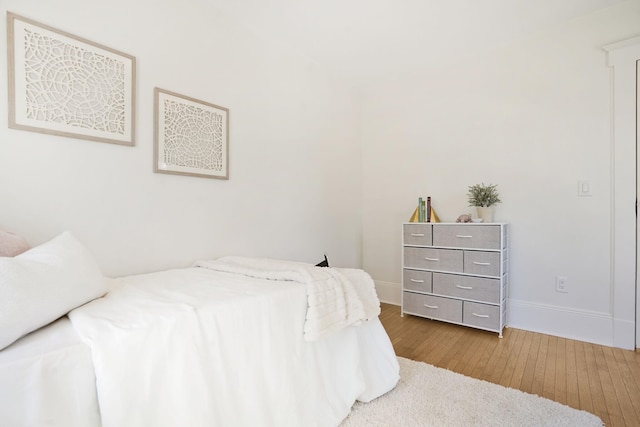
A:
431, 396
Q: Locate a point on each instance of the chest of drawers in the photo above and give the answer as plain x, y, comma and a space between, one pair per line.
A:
456, 273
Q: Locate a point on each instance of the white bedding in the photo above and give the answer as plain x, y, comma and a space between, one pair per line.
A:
195, 347
47, 379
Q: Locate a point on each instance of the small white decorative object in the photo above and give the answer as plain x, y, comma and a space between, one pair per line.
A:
61, 84
191, 137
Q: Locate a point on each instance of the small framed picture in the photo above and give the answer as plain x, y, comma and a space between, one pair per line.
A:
191, 137
61, 84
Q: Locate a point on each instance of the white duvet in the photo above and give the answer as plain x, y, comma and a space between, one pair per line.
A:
198, 347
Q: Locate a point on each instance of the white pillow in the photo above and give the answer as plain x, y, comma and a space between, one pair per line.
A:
44, 283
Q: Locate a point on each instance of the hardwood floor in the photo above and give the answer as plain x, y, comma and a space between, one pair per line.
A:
602, 380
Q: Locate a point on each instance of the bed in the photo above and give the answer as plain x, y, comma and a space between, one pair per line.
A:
232, 341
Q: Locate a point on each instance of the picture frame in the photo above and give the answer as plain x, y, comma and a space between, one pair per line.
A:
191, 136
65, 85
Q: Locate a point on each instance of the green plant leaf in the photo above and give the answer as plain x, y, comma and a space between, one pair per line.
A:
483, 195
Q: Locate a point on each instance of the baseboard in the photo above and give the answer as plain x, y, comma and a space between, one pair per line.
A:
593, 327
390, 293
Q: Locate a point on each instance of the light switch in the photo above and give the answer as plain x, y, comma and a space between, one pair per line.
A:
584, 189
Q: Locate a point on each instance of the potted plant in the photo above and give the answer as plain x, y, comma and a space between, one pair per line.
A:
484, 198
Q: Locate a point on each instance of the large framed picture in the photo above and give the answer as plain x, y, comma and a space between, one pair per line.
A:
191, 137
61, 84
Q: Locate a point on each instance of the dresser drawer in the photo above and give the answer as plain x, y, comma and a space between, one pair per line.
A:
484, 263
432, 307
467, 236
481, 315
417, 234
467, 287
434, 259
416, 280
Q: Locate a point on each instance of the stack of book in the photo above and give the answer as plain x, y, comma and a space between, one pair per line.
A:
424, 212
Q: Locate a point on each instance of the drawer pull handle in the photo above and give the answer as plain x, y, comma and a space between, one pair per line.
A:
431, 306
464, 236
481, 263
464, 287
417, 234
480, 315
416, 281
432, 259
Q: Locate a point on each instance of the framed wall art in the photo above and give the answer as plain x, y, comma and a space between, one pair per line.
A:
61, 84
191, 137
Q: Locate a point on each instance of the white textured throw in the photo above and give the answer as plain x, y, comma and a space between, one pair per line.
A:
336, 297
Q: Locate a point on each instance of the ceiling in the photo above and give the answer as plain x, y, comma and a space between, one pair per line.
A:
368, 41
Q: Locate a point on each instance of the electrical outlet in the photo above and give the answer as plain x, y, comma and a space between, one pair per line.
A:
561, 284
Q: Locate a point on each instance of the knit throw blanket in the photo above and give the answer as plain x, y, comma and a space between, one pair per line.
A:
336, 297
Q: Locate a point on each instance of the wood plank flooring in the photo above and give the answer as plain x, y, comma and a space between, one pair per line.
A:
602, 380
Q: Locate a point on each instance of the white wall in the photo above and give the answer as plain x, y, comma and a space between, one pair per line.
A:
295, 176
534, 118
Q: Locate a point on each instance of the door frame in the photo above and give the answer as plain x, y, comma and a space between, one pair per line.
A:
623, 59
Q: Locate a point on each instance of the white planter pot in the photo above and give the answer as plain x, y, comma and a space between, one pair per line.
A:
486, 213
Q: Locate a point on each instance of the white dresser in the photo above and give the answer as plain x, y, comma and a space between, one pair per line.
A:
456, 273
